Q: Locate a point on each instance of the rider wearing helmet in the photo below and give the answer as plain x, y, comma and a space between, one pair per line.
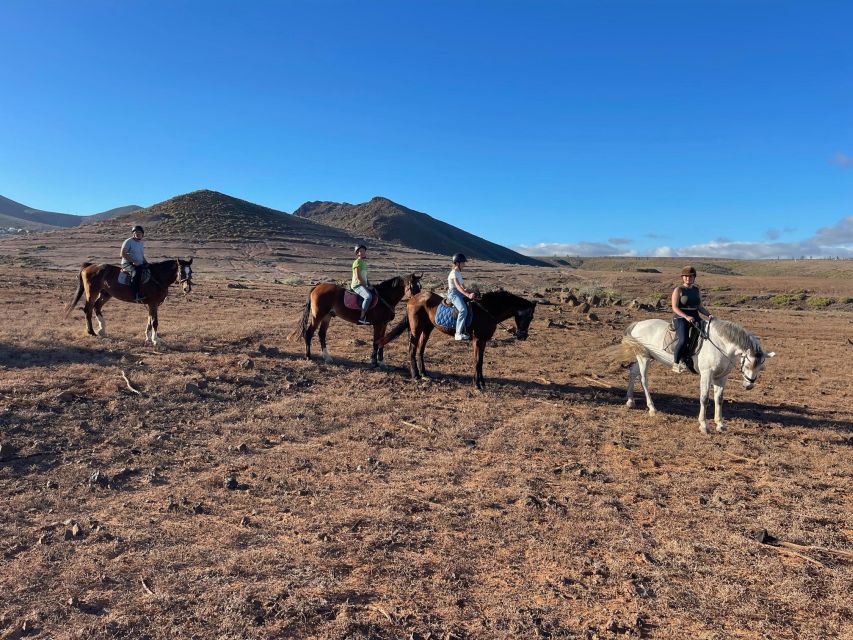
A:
360, 283
456, 293
686, 305
133, 259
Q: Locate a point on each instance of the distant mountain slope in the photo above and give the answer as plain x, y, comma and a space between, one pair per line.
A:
212, 215
38, 220
386, 220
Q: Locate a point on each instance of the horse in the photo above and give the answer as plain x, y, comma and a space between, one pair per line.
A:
326, 300
100, 282
486, 313
726, 346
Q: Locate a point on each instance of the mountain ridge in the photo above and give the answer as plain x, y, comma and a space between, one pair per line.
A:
383, 219
21, 216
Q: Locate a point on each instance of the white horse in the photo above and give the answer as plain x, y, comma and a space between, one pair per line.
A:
726, 346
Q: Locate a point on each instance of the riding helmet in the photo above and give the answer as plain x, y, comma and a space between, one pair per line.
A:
459, 257
359, 246
136, 228
688, 271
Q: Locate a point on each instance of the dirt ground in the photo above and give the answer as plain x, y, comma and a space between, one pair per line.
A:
297, 499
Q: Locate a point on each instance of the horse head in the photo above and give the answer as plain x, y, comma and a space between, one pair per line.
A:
523, 318
751, 363
185, 274
413, 284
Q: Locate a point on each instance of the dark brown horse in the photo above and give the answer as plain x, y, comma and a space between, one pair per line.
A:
100, 282
494, 307
326, 300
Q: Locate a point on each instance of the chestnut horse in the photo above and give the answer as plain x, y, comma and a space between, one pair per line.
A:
490, 310
100, 283
326, 300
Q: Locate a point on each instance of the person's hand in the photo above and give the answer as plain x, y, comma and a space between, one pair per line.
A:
710, 317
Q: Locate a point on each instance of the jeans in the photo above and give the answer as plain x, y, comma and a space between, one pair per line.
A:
366, 297
459, 302
682, 332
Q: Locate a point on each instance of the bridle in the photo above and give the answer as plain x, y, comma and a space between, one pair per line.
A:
185, 273
743, 356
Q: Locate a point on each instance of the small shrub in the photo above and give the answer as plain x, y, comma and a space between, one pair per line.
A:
744, 300
819, 302
293, 281
788, 298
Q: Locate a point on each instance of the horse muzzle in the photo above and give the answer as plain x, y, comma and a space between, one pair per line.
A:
748, 385
187, 286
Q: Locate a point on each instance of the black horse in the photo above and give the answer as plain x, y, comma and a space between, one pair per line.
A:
487, 312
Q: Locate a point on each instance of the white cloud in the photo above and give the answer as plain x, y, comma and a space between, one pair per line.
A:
827, 242
572, 249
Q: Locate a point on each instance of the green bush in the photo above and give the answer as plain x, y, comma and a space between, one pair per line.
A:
819, 302
788, 298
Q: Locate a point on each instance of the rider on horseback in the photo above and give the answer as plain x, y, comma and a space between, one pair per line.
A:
456, 293
133, 260
360, 283
686, 305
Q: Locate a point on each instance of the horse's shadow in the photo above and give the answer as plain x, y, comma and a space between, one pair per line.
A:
14, 356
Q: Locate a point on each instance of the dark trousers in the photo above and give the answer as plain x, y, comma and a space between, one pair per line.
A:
682, 333
136, 280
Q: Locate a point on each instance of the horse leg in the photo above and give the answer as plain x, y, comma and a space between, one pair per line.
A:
414, 337
643, 366
321, 334
152, 314
719, 385
87, 309
633, 372
421, 348
309, 334
704, 388
378, 332
479, 351
99, 304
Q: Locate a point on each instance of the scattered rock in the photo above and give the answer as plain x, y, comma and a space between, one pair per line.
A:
469, 442
99, 478
236, 285
358, 342
198, 508
51, 484
65, 396
765, 538
244, 521
193, 388
592, 316
231, 483
248, 363
73, 602
594, 301
584, 308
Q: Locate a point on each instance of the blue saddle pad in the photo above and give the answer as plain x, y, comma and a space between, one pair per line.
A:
446, 317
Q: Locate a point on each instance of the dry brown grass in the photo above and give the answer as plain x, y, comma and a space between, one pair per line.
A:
368, 506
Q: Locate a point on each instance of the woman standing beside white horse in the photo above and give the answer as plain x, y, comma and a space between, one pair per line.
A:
727, 346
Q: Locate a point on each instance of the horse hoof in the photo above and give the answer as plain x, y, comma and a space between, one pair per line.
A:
703, 428
630, 404
721, 428
653, 412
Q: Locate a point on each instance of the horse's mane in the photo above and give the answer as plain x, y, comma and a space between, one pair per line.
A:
736, 334
391, 283
503, 298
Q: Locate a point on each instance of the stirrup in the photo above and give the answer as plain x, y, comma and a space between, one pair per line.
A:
363, 321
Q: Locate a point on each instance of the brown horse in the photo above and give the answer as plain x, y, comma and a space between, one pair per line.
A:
100, 283
487, 312
326, 300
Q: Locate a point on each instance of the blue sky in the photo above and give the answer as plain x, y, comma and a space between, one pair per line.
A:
671, 128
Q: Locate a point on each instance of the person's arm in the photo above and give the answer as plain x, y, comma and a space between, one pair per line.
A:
126, 255
705, 312
360, 277
675, 308
462, 290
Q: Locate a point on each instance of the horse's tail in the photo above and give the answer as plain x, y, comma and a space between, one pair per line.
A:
302, 325
631, 347
79, 293
398, 329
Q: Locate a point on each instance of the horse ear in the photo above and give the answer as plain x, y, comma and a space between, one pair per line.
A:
190, 261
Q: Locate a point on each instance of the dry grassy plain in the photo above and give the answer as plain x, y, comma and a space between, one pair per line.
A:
364, 505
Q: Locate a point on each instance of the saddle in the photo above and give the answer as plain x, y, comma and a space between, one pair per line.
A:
446, 314
124, 277
694, 341
353, 301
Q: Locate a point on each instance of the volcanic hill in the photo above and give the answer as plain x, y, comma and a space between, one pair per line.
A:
386, 220
20, 216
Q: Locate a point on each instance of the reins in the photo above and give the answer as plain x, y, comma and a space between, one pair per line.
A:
707, 336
